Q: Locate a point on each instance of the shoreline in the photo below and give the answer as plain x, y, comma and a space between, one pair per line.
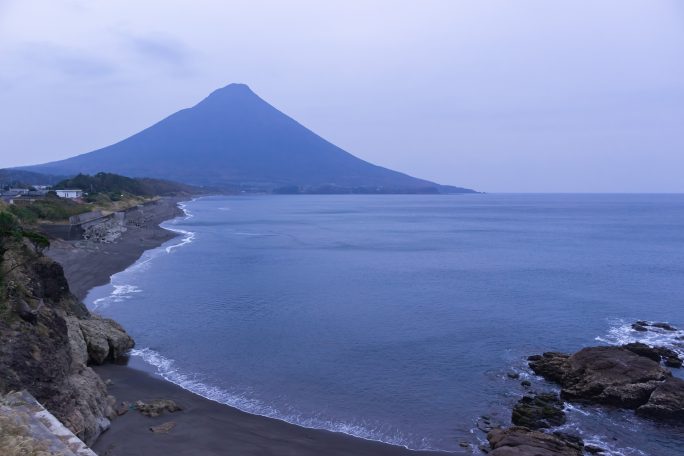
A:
204, 426
89, 264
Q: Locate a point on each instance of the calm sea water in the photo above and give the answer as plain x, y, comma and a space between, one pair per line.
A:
397, 318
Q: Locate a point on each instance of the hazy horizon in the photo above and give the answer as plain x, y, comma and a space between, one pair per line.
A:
499, 97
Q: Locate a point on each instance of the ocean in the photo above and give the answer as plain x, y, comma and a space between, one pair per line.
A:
399, 317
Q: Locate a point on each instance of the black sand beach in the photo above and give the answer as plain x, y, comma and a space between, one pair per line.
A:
90, 264
203, 427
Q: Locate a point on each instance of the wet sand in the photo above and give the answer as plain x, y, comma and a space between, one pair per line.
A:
205, 427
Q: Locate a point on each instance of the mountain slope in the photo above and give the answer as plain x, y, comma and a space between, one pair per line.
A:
233, 138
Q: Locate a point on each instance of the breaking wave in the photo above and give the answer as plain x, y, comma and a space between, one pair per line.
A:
167, 369
119, 294
621, 332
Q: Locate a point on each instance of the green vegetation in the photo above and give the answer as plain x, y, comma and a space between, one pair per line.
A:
12, 231
114, 187
52, 208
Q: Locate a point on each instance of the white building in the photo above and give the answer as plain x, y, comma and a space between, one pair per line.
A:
69, 193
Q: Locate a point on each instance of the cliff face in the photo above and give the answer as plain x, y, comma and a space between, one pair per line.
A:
48, 338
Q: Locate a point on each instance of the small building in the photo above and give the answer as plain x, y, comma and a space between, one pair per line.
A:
19, 191
69, 193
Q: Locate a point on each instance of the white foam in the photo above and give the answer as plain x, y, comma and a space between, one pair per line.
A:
188, 236
598, 440
243, 233
119, 294
621, 333
167, 369
123, 291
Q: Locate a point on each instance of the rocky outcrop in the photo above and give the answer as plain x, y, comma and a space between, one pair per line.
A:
543, 410
668, 356
48, 338
643, 326
602, 375
551, 365
628, 377
520, 441
666, 403
105, 339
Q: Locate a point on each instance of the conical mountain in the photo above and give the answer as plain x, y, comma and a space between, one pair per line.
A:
234, 139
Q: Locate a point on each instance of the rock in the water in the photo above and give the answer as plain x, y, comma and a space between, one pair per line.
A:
665, 326
666, 402
513, 375
551, 365
675, 362
526, 383
604, 375
668, 355
541, 411
611, 375
157, 407
643, 350
591, 449
164, 428
642, 325
520, 441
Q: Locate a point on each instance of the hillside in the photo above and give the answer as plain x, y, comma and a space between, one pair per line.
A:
235, 140
18, 178
115, 184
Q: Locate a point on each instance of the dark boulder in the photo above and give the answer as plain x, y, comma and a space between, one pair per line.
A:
675, 362
613, 376
157, 407
541, 411
665, 326
668, 355
551, 365
666, 402
520, 441
603, 375
638, 327
642, 349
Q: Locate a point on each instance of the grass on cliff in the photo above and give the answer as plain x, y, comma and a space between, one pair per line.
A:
16, 439
52, 208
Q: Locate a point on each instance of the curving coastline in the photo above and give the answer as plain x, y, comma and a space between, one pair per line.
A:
204, 426
88, 264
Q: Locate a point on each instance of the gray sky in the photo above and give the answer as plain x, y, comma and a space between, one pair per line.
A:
578, 95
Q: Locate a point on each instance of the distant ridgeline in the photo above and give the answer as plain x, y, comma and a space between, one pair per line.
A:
20, 178
235, 141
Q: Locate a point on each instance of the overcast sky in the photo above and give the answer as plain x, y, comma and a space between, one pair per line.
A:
501, 96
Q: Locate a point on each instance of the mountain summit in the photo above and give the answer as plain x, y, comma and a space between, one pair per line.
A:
234, 139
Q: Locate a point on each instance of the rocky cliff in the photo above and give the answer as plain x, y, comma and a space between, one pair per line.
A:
48, 338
